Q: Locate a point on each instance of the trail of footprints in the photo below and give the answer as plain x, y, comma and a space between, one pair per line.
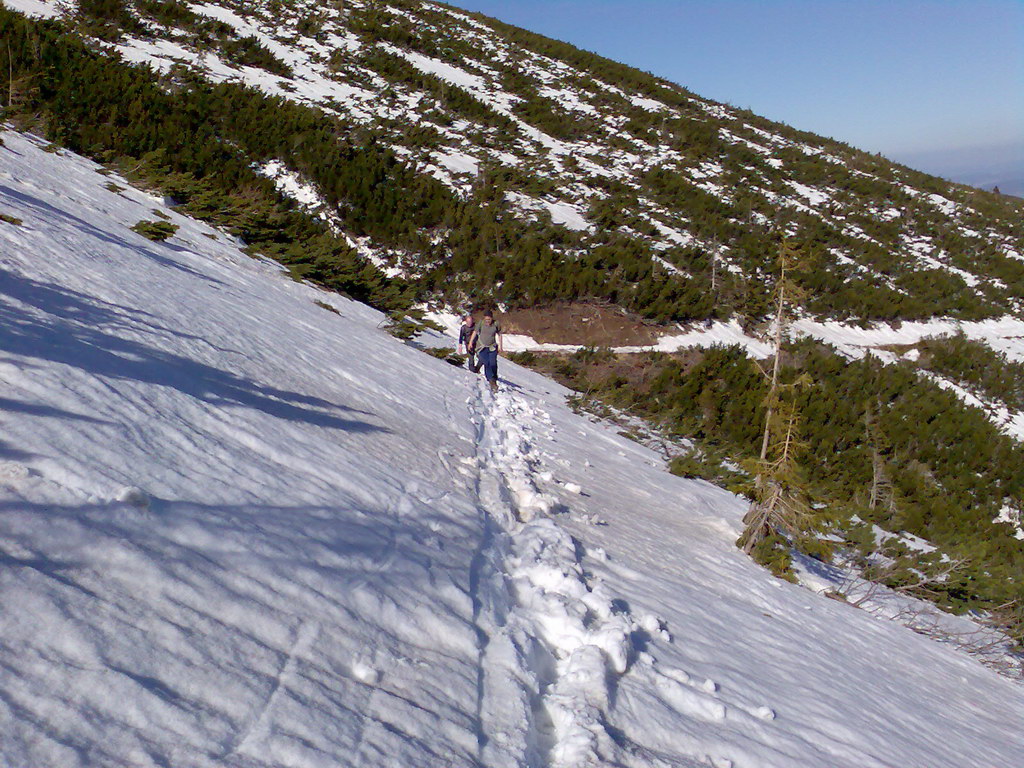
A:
560, 633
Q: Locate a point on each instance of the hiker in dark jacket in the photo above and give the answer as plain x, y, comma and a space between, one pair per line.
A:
467, 342
489, 342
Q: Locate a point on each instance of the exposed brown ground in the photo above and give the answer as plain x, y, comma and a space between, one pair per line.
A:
639, 369
587, 324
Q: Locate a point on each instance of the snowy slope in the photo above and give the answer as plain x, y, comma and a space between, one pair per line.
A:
238, 529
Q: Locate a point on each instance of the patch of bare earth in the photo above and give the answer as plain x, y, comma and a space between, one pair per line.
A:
582, 323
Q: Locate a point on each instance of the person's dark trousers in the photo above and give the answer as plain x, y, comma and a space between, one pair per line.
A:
489, 360
472, 362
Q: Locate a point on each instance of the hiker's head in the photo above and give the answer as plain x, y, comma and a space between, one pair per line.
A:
488, 317
468, 318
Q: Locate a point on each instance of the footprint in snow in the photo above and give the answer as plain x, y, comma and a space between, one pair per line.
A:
701, 698
690, 701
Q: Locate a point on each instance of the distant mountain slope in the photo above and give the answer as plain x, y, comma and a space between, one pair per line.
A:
984, 167
243, 526
571, 176
1003, 183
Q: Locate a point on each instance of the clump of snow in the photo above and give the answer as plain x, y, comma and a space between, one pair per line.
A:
44, 9
134, 496
1012, 515
365, 672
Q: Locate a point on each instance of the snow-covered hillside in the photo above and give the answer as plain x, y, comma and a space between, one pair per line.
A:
239, 529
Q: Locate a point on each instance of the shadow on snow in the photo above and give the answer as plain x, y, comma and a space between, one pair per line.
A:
51, 212
48, 322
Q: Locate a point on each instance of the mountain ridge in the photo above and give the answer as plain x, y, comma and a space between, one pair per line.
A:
666, 192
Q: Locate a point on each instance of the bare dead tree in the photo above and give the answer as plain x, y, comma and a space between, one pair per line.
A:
987, 641
882, 491
889, 574
779, 500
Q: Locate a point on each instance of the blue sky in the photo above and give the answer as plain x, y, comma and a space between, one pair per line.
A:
932, 83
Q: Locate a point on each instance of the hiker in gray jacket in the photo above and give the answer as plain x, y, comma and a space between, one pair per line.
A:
488, 341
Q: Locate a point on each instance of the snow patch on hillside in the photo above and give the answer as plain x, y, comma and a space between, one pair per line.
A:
458, 162
361, 95
291, 185
1013, 516
442, 69
562, 213
709, 335
43, 9
1004, 334
815, 197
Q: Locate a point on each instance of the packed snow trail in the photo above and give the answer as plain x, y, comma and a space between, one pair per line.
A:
239, 530
572, 639
557, 635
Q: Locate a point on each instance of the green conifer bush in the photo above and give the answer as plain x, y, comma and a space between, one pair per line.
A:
155, 230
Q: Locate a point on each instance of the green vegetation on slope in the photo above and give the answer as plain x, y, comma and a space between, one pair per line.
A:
185, 141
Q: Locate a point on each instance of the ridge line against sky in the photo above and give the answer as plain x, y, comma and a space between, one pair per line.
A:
935, 84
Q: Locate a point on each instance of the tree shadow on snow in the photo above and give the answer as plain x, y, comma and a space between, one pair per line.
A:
822, 570
70, 328
88, 228
68, 304
35, 409
10, 453
51, 568
236, 584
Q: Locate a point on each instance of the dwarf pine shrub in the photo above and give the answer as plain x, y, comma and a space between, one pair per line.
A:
155, 230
